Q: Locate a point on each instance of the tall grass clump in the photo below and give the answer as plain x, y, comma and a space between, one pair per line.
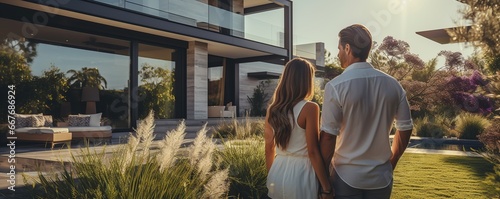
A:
134, 171
246, 162
240, 130
424, 127
469, 126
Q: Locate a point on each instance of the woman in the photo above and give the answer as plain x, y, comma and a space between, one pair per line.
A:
293, 158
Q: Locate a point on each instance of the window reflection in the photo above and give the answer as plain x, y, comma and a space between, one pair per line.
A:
51, 68
156, 81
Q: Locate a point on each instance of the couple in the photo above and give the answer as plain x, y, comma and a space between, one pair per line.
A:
359, 109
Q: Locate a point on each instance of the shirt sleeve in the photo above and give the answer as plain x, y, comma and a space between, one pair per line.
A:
403, 115
331, 113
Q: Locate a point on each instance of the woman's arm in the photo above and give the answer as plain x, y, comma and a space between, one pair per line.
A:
270, 145
311, 118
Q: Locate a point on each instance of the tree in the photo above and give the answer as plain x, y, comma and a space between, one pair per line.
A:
483, 33
20, 46
259, 99
393, 57
156, 91
14, 68
87, 77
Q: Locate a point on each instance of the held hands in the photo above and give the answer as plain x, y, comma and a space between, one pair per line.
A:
326, 194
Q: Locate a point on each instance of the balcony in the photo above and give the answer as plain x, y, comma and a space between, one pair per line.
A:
266, 26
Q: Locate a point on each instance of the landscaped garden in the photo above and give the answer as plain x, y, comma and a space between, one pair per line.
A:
233, 168
456, 100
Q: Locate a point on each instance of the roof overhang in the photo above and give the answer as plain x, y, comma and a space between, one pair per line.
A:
440, 35
214, 47
264, 75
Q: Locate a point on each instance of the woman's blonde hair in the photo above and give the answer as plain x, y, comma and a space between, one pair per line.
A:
295, 84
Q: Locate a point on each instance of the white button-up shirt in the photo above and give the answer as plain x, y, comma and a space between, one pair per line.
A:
360, 106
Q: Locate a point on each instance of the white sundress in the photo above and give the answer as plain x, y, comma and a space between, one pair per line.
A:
292, 175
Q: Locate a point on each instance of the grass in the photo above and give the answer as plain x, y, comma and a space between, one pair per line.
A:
440, 176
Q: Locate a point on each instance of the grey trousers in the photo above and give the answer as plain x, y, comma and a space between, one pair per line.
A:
344, 191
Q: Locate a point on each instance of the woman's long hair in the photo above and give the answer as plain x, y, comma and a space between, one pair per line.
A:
295, 84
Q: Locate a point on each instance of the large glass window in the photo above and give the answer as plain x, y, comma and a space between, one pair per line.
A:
52, 67
156, 81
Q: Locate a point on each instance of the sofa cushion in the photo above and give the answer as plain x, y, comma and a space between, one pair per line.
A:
78, 120
88, 128
95, 119
47, 130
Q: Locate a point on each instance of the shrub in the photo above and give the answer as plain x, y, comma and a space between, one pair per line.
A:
491, 140
425, 128
133, 170
247, 167
469, 126
259, 99
240, 130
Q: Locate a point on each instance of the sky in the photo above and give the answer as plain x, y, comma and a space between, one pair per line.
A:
321, 20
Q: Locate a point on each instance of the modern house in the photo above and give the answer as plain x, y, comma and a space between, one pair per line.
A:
176, 57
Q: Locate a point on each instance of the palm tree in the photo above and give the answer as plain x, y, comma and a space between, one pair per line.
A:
87, 77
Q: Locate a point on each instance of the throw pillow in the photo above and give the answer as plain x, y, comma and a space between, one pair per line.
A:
78, 120
28, 120
49, 122
37, 121
95, 119
23, 121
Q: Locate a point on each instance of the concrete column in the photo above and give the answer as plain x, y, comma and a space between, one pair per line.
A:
197, 80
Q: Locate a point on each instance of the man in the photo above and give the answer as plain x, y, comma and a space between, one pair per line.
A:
359, 109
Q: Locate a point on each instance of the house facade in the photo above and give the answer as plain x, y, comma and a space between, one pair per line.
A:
176, 57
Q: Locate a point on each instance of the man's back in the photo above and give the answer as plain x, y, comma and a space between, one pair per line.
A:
363, 102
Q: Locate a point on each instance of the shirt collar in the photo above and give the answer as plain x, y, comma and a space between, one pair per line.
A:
358, 65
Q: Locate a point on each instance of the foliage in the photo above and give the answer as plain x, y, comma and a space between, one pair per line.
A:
483, 33
469, 126
332, 68
494, 64
318, 94
259, 99
14, 44
463, 93
246, 162
14, 68
87, 77
424, 127
133, 170
393, 57
491, 140
240, 130
156, 91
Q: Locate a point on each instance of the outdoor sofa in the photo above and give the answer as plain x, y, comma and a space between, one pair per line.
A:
38, 127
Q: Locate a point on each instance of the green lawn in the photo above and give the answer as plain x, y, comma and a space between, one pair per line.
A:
440, 176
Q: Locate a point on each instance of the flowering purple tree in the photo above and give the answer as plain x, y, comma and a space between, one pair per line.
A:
466, 91
393, 57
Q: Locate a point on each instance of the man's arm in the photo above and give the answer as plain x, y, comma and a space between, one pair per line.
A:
327, 146
399, 144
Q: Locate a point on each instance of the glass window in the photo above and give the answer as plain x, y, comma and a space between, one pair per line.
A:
51, 67
156, 81
215, 86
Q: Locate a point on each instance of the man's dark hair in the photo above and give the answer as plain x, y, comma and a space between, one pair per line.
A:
359, 38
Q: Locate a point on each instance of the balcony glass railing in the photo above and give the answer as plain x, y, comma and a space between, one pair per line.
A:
199, 14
